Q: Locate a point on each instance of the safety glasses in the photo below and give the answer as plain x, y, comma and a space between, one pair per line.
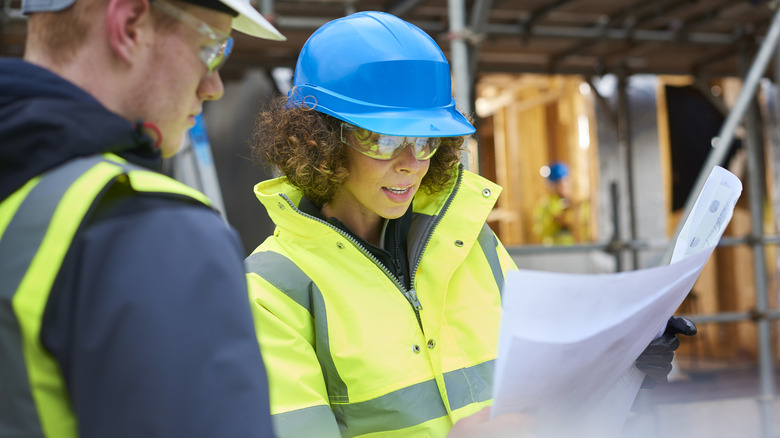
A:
214, 54
387, 147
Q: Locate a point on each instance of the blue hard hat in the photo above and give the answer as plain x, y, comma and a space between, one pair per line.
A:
376, 71
557, 171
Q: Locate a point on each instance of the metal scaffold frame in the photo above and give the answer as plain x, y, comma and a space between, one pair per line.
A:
762, 315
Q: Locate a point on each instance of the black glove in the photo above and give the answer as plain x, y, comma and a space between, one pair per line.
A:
656, 360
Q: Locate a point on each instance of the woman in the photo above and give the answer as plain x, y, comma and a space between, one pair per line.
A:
377, 299
378, 295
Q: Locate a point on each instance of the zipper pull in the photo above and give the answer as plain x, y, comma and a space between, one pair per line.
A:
398, 273
412, 296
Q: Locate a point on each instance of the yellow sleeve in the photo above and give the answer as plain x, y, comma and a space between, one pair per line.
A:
297, 391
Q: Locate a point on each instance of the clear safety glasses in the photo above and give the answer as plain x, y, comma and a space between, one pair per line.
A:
387, 147
214, 54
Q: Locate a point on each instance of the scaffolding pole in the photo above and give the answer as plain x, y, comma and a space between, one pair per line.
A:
743, 106
627, 148
456, 11
756, 195
726, 134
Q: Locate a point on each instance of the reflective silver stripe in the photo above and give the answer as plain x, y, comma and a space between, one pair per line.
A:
469, 385
399, 409
312, 422
404, 407
283, 274
18, 246
416, 404
26, 230
286, 276
487, 240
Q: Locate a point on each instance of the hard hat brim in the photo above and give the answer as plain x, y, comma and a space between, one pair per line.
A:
251, 22
441, 122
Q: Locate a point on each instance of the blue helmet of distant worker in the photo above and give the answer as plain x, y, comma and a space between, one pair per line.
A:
381, 73
558, 171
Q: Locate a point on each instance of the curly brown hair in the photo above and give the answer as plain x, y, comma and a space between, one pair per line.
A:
305, 146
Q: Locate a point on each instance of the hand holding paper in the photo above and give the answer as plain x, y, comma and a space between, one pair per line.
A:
656, 360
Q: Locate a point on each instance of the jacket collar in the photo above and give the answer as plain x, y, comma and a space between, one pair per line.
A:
46, 121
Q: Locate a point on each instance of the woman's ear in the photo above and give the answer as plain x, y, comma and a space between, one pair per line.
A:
126, 21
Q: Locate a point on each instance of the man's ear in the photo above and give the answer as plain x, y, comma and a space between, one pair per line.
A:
126, 21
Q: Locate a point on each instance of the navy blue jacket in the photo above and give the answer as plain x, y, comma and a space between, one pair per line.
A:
149, 318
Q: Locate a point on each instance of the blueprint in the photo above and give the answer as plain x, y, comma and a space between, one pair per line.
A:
568, 342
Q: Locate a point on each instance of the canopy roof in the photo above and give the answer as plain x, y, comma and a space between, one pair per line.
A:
707, 38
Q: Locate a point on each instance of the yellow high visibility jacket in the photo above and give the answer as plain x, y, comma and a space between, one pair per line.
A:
559, 221
38, 223
348, 351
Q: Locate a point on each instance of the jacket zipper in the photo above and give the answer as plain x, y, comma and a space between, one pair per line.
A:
411, 294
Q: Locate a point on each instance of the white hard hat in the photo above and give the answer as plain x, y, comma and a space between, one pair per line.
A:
251, 22
248, 20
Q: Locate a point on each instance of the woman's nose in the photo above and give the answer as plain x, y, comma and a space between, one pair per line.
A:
407, 161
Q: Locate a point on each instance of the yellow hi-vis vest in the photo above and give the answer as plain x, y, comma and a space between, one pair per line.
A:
345, 352
38, 223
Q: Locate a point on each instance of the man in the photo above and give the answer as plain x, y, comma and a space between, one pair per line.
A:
123, 305
559, 218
